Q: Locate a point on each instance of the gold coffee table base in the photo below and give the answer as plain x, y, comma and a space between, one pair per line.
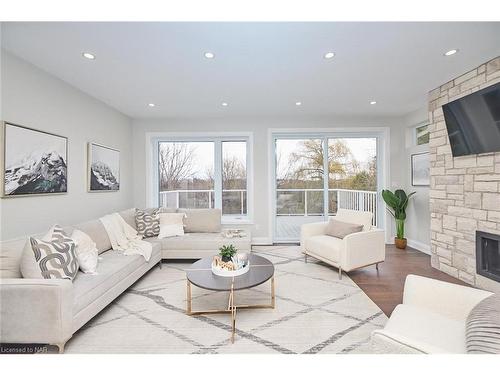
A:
231, 307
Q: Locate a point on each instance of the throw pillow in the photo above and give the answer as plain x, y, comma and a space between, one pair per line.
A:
50, 258
202, 220
148, 222
340, 229
171, 224
86, 252
482, 334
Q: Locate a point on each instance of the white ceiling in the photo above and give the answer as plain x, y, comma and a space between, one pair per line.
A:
260, 69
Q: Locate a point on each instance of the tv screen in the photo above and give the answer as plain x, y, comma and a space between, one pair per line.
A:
473, 122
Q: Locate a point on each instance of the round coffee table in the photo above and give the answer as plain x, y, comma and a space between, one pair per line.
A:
200, 274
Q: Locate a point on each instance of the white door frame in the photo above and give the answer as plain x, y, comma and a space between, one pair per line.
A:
383, 161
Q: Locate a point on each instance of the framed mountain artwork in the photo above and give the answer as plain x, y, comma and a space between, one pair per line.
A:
103, 168
34, 162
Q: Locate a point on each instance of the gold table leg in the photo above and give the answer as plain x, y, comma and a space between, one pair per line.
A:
231, 306
188, 298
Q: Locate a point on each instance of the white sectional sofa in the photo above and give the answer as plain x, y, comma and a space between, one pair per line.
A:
49, 311
431, 319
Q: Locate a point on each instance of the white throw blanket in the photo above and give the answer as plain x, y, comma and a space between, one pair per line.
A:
125, 238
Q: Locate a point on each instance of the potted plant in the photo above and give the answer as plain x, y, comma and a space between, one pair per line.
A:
398, 201
226, 252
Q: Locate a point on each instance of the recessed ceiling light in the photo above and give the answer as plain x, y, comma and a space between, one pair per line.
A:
224, 104
329, 55
209, 55
88, 55
451, 52
373, 102
151, 104
298, 103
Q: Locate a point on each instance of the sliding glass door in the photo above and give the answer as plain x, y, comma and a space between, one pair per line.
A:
317, 175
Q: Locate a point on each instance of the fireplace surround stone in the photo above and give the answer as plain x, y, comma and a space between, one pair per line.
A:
464, 191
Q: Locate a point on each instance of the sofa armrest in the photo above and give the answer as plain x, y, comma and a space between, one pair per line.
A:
36, 311
387, 342
451, 300
363, 248
309, 230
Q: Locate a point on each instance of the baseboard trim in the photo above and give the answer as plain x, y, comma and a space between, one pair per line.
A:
424, 248
262, 241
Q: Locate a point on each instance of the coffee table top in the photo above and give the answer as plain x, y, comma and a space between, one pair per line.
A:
200, 274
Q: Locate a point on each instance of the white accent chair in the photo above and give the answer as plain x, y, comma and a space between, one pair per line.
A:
432, 318
355, 250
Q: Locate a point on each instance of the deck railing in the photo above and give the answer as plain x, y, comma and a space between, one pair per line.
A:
290, 202
204, 199
309, 202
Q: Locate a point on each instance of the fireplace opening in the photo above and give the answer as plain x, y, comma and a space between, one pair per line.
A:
488, 255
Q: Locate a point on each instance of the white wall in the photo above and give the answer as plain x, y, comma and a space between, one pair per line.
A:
418, 214
36, 99
259, 127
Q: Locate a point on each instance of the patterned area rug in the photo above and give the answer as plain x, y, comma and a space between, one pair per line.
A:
315, 313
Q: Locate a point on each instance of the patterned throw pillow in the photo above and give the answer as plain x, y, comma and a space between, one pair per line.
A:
52, 257
482, 331
148, 222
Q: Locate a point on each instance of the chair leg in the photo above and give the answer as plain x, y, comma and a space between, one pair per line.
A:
376, 266
160, 264
305, 257
340, 273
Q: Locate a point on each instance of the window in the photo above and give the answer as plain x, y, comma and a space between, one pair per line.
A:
186, 174
204, 173
317, 175
422, 134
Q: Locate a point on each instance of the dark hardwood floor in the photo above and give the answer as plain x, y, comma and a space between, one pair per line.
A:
385, 287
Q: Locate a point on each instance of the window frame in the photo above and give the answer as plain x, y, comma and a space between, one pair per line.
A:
414, 133
217, 139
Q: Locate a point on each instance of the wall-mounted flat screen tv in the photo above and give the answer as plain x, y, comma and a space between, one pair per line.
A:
473, 122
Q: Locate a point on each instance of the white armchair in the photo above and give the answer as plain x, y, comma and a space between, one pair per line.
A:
431, 319
355, 250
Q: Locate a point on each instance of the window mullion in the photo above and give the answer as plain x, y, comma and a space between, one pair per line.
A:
218, 173
326, 177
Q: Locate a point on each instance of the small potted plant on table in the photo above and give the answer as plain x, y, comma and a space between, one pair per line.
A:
227, 252
398, 201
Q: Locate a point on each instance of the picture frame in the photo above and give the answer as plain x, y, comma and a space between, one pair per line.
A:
33, 162
420, 169
103, 168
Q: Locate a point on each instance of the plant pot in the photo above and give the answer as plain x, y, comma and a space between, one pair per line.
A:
226, 259
400, 243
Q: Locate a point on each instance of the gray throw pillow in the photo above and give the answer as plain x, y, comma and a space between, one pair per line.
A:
148, 222
482, 333
52, 257
340, 229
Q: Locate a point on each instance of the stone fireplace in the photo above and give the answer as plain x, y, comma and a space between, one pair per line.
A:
488, 255
465, 191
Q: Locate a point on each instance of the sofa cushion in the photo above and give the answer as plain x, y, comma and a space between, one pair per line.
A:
86, 251
426, 331
483, 327
129, 217
205, 220
325, 246
202, 241
171, 224
112, 268
340, 229
52, 257
95, 230
148, 222
355, 217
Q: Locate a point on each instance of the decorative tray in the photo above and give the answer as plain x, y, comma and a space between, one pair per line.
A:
227, 273
238, 265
